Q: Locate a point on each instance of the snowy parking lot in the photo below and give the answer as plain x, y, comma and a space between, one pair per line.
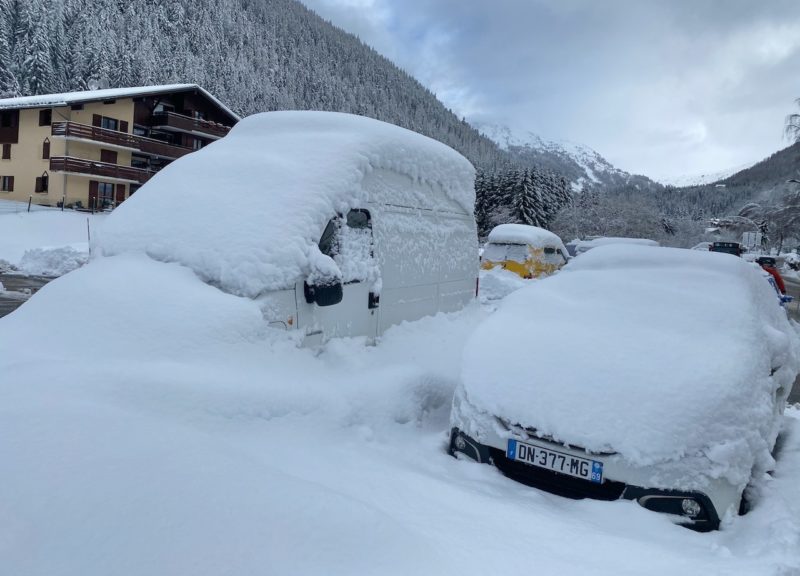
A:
154, 426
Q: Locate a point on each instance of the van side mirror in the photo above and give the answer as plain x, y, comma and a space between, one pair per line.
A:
323, 294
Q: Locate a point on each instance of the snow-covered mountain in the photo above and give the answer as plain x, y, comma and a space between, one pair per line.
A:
687, 180
584, 167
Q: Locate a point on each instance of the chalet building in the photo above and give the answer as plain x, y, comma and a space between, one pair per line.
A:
94, 149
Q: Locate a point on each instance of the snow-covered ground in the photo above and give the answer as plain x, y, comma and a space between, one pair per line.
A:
45, 241
154, 426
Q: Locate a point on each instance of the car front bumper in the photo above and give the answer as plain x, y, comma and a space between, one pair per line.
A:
613, 487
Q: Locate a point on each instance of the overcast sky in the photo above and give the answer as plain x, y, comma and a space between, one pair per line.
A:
658, 87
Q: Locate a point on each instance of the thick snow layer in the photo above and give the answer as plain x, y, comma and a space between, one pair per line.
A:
497, 283
585, 245
151, 426
655, 354
54, 261
523, 234
23, 231
252, 205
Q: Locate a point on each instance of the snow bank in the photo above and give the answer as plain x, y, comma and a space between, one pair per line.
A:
523, 234
244, 212
54, 262
497, 283
20, 232
655, 354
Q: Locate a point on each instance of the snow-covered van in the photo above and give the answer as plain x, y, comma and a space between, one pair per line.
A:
528, 251
338, 225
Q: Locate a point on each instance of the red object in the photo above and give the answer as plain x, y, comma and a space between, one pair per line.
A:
777, 275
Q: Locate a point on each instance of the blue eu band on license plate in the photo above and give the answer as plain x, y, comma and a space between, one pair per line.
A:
554, 460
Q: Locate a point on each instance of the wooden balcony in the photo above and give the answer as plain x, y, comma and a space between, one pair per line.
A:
84, 167
141, 144
95, 134
181, 123
155, 147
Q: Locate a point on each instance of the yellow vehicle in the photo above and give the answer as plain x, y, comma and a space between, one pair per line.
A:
528, 251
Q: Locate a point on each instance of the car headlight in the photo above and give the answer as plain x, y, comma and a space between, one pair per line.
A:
691, 507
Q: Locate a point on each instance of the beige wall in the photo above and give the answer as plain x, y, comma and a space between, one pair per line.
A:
26, 162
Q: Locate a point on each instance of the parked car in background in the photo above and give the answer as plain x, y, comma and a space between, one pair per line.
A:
528, 251
586, 245
727, 248
646, 410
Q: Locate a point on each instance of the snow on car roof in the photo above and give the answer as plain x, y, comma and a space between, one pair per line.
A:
585, 245
245, 211
524, 234
654, 354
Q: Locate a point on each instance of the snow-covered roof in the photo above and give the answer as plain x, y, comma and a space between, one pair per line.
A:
585, 245
655, 354
69, 98
245, 213
524, 234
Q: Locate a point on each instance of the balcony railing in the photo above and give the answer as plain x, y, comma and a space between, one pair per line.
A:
122, 139
159, 148
189, 124
103, 169
85, 132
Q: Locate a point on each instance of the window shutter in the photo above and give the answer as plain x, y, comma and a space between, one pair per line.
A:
97, 120
46, 149
123, 126
93, 189
38, 184
120, 193
10, 183
6, 151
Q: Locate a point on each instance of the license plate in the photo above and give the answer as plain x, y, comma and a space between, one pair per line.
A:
584, 468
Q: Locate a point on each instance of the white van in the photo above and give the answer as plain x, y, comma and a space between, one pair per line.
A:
338, 225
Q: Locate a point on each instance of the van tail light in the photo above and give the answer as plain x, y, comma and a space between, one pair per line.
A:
477, 285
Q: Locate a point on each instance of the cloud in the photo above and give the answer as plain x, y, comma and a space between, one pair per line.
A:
662, 87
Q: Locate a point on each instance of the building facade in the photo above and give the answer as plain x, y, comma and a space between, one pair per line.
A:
94, 149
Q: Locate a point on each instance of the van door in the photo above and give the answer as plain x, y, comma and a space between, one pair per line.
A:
348, 240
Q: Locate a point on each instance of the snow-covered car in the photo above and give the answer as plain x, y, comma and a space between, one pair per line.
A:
704, 246
588, 244
673, 399
528, 251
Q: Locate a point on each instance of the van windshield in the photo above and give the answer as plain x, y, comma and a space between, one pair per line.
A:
503, 252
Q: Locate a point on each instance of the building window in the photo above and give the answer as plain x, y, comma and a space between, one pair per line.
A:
46, 149
42, 182
6, 151
45, 117
6, 119
109, 123
109, 101
7, 183
76, 107
105, 192
197, 144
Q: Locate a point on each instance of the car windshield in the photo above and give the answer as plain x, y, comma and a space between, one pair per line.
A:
503, 252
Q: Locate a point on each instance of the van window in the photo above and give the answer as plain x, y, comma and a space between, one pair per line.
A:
502, 252
349, 242
553, 256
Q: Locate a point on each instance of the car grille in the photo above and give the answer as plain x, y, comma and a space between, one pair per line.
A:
553, 482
